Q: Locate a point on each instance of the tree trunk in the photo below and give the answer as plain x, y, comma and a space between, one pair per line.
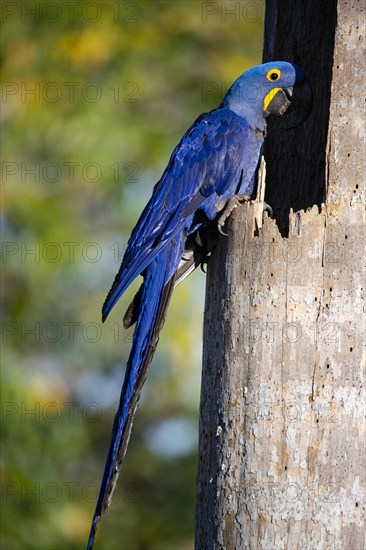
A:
281, 451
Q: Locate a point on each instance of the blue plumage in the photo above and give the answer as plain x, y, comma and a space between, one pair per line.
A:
197, 176
216, 159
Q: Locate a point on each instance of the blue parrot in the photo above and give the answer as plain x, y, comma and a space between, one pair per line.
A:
210, 171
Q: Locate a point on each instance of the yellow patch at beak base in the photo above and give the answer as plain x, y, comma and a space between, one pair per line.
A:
269, 97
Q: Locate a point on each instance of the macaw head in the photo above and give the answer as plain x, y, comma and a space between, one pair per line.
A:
264, 90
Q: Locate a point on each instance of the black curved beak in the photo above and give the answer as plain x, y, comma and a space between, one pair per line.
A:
300, 107
295, 102
289, 92
279, 103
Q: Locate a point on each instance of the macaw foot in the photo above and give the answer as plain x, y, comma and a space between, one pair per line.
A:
227, 206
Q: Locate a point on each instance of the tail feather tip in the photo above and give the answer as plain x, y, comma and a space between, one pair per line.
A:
93, 531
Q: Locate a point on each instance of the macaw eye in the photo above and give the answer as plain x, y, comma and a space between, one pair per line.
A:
273, 75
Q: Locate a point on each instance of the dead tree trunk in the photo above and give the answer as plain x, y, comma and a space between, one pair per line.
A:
281, 452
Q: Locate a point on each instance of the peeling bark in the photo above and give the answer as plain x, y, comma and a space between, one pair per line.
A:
281, 453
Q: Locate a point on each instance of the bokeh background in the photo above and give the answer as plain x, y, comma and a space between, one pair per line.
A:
95, 95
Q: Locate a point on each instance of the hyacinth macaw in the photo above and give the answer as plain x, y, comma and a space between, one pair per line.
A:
210, 170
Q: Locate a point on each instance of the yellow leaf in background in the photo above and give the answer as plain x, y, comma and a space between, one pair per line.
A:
88, 49
231, 66
74, 522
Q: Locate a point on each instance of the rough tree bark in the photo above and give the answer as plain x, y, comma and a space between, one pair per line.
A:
281, 451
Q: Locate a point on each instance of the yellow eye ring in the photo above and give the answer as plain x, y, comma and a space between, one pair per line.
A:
273, 75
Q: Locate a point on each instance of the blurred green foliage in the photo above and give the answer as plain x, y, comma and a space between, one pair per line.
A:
95, 95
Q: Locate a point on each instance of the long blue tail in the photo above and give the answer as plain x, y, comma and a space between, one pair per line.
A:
155, 297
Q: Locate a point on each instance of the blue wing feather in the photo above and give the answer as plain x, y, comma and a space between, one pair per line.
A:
205, 164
